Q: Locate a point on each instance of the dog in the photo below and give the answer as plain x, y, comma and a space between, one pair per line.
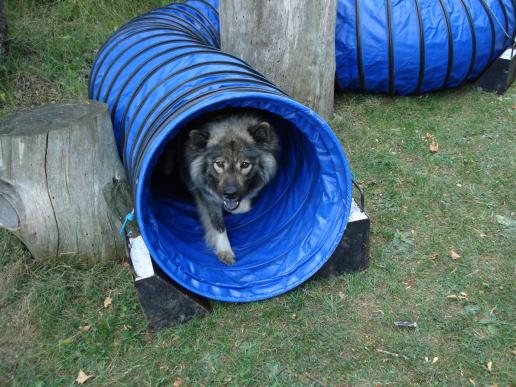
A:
225, 162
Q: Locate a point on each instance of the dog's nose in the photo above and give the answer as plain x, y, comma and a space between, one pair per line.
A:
230, 193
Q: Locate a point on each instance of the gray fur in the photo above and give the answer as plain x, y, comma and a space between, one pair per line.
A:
225, 164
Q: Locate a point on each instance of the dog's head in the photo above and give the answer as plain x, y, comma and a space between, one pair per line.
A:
232, 158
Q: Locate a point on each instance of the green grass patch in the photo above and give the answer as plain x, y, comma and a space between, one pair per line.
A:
326, 332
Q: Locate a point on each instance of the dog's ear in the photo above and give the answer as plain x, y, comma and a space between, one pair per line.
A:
261, 133
199, 138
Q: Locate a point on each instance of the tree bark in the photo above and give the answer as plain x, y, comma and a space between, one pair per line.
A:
291, 42
61, 182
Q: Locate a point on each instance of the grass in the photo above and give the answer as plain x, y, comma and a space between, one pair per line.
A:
326, 332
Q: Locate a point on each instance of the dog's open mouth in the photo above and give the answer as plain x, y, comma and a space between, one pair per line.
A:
231, 205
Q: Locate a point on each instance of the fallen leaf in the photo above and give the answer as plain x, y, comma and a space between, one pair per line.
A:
108, 302
82, 377
461, 296
459, 185
489, 365
85, 328
453, 255
472, 381
178, 382
426, 359
434, 146
434, 360
408, 284
67, 341
341, 295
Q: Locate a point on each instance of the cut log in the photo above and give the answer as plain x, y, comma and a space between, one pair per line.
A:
61, 182
291, 42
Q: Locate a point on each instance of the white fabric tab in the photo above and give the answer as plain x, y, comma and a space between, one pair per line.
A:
355, 214
141, 259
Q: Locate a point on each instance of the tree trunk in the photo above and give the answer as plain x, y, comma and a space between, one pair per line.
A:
291, 42
62, 183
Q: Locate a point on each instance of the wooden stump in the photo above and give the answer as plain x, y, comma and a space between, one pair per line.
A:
62, 185
291, 42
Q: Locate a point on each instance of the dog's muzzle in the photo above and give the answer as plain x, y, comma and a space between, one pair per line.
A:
231, 204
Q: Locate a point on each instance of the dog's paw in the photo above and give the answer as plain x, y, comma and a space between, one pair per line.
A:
245, 206
228, 257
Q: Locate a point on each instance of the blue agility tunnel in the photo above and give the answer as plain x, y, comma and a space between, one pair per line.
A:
164, 69
417, 46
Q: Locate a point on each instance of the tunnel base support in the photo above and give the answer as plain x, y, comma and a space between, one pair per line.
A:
352, 254
500, 75
165, 303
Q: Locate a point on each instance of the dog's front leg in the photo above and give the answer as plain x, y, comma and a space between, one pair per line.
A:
215, 230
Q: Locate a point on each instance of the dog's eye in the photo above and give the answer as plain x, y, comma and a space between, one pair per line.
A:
219, 164
245, 165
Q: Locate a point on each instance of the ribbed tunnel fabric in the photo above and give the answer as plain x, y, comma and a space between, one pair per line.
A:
417, 46
163, 70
